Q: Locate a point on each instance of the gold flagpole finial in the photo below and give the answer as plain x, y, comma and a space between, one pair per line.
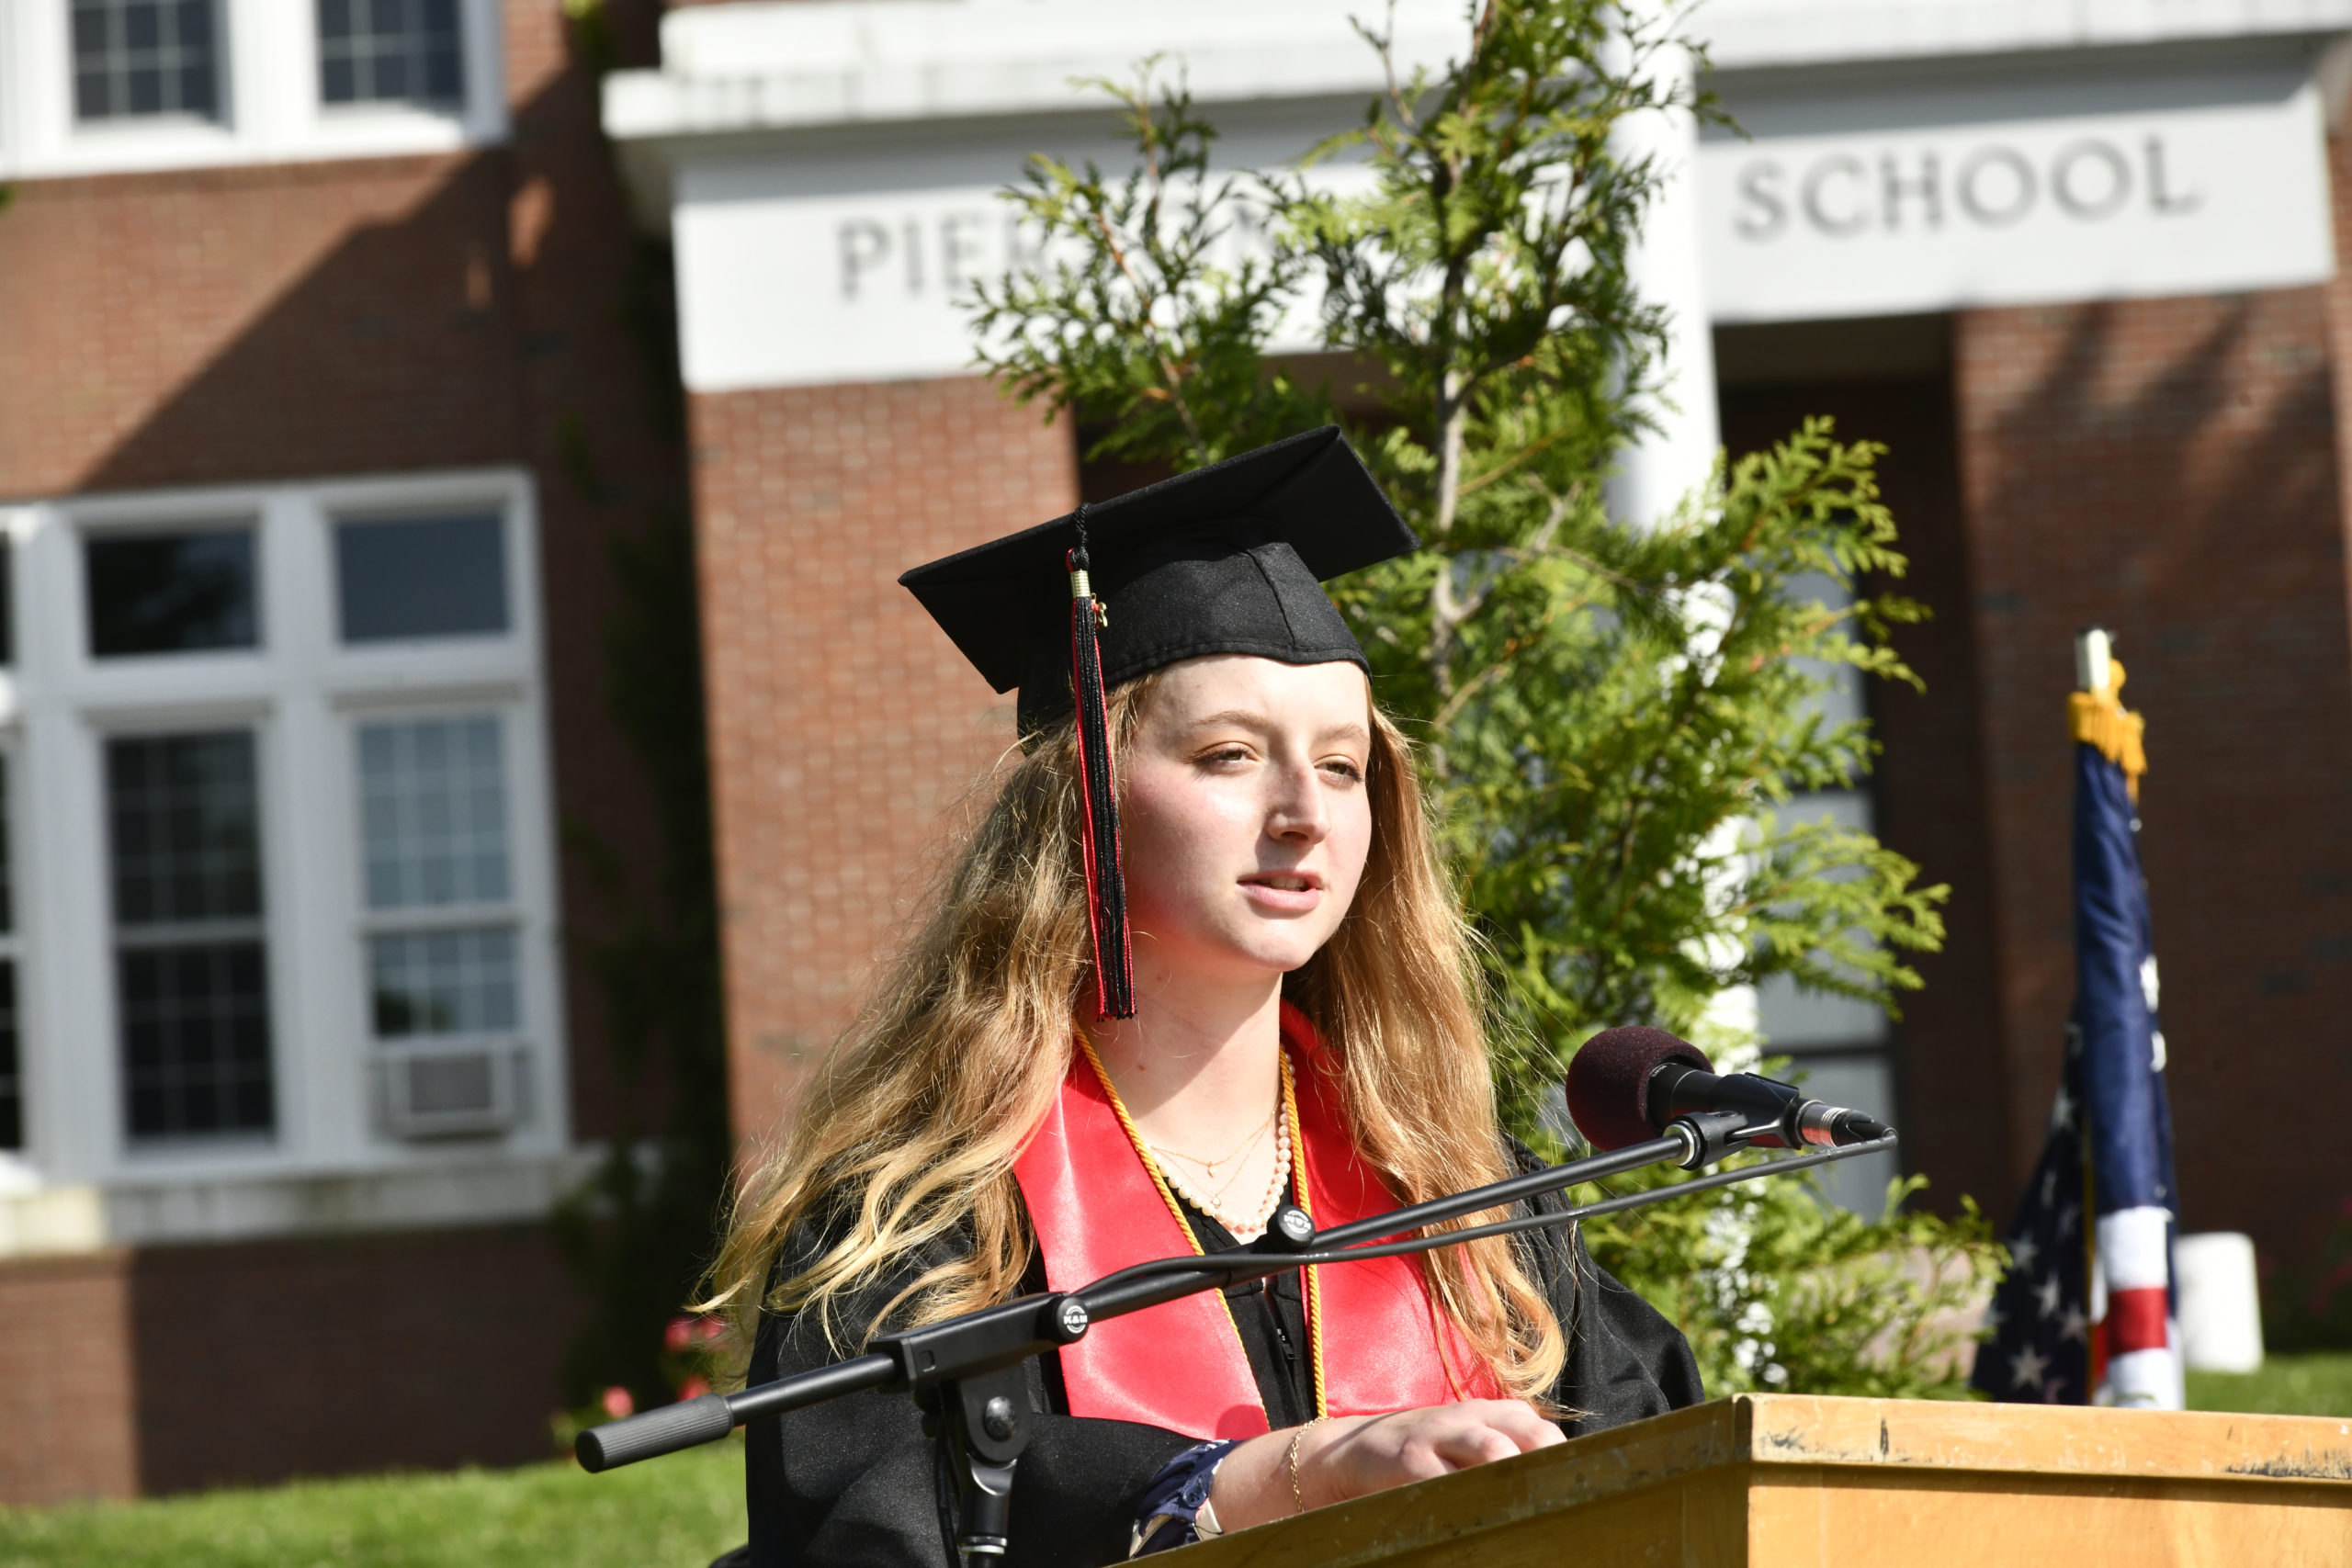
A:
2094, 712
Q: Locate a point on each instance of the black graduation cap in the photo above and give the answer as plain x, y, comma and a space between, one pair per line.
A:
1228, 558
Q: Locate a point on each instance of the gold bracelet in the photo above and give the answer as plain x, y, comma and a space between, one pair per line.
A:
1297, 1494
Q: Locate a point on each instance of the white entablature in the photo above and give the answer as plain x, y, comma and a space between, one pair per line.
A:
829, 171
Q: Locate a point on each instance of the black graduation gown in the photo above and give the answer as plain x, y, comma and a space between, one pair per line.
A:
850, 1483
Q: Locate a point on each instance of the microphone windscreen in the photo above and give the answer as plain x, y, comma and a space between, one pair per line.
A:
1609, 1082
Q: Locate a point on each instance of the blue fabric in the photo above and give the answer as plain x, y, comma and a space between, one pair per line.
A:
1164, 1519
2131, 1124
2112, 1116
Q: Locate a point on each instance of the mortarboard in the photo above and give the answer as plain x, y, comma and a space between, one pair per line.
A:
1228, 558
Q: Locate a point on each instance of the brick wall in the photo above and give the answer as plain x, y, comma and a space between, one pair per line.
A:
844, 725
171, 1369
253, 323
318, 1358
67, 1380
2167, 468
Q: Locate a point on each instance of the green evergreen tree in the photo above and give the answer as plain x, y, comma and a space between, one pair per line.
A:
1611, 715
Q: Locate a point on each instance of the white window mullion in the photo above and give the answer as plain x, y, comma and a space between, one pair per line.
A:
531, 777
322, 1078
70, 1096
318, 1081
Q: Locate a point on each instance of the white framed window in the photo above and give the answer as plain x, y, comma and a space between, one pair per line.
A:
107, 87
191, 940
1841, 1049
398, 52
170, 590
440, 923
142, 59
276, 757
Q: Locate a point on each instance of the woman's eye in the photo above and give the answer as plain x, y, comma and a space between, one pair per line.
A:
1226, 754
1340, 767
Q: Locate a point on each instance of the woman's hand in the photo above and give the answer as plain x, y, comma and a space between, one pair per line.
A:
1352, 1456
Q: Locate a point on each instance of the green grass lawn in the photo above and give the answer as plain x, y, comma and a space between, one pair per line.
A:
2318, 1384
678, 1512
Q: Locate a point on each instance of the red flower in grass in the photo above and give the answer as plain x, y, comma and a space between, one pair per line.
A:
694, 1388
618, 1403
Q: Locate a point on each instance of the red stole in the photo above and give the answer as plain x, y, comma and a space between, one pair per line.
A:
1180, 1365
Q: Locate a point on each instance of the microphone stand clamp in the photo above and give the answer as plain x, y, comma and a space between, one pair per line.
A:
1708, 1136
969, 1375
978, 1427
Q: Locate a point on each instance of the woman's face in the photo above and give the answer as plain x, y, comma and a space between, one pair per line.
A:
1245, 814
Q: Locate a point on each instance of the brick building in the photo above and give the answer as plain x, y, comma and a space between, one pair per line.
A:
332, 358
319, 403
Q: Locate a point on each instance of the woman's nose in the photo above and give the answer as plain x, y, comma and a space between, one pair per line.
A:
1298, 810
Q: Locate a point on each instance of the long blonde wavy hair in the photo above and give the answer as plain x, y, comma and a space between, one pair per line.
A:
906, 1135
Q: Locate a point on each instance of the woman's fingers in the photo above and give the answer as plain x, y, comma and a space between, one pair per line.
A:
1455, 1437
1527, 1429
1472, 1444
1365, 1455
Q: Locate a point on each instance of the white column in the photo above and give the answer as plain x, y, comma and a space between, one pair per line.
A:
1656, 472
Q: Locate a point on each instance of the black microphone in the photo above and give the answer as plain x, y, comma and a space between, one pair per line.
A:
1626, 1084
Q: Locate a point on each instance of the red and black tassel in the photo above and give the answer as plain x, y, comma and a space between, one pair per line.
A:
1106, 884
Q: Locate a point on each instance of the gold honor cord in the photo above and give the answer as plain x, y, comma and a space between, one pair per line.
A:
1302, 1196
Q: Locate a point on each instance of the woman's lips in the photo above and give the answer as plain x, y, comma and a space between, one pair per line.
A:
1284, 892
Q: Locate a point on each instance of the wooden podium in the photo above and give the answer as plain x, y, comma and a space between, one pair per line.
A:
1791, 1480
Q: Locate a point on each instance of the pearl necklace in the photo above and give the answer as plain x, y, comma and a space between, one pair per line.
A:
1244, 1224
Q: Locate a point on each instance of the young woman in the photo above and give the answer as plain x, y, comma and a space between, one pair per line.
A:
1302, 1028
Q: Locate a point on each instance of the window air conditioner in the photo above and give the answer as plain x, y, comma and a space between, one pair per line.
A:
436, 1091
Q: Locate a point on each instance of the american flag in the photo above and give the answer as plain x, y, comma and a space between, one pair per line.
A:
2040, 1348
2087, 1316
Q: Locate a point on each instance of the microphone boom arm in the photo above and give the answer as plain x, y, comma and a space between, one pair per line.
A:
1242, 1263
1003, 1335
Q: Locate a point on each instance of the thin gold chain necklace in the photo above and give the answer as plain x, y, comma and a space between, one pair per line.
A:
1248, 1142
1243, 1223
1241, 1162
